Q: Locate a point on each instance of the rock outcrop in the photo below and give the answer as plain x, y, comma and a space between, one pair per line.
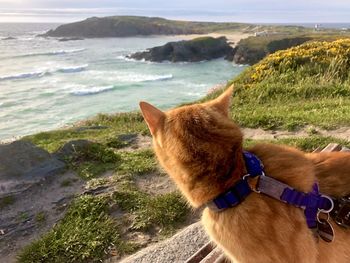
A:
198, 49
253, 49
22, 164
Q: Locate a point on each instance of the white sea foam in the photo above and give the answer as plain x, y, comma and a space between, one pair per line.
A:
53, 53
91, 90
41, 73
125, 58
127, 77
146, 78
72, 69
28, 75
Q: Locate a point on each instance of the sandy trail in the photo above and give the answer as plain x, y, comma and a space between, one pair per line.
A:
260, 134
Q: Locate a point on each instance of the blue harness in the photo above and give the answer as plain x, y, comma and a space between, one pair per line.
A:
313, 202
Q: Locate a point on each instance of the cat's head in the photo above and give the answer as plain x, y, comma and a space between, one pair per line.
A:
197, 145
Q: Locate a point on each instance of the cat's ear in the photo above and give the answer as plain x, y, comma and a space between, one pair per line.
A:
152, 116
223, 102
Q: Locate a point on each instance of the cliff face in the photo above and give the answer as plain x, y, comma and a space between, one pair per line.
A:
198, 49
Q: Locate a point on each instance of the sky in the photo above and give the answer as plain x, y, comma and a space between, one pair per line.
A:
253, 11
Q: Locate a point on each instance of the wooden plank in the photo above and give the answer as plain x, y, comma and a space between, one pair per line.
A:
222, 259
213, 256
201, 253
318, 149
332, 147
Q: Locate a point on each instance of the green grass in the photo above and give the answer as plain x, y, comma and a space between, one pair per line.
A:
66, 183
40, 217
6, 201
85, 234
113, 125
307, 144
166, 211
286, 92
137, 162
93, 160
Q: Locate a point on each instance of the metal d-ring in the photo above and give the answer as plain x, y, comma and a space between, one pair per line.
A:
332, 205
254, 189
318, 216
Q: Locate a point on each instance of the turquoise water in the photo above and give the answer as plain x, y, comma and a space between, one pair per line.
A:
45, 84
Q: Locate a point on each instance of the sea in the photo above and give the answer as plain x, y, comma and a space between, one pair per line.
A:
46, 84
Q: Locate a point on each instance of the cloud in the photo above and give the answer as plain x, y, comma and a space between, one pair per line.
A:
219, 10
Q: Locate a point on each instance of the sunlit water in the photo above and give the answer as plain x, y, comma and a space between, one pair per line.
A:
45, 84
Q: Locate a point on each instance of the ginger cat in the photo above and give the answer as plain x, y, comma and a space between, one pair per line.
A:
198, 144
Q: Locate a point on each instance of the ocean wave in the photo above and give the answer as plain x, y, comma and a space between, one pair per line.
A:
128, 59
53, 53
28, 75
39, 74
146, 78
73, 69
127, 77
91, 90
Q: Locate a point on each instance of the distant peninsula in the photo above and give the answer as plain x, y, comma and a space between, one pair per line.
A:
127, 26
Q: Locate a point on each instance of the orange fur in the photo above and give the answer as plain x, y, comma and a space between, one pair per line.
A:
198, 144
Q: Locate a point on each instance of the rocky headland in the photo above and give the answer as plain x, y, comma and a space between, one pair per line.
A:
198, 49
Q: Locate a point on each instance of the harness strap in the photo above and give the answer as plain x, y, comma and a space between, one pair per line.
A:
312, 202
237, 193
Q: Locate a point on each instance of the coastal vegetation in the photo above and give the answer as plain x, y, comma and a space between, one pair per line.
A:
304, 87
254, 48
295, 88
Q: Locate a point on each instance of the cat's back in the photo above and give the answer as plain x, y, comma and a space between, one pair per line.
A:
289, 165
333, 172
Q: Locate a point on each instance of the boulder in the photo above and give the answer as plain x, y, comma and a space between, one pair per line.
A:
23, 164
198, 49
71, 147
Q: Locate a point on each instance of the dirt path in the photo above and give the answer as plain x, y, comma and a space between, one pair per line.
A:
260, 134
35, 211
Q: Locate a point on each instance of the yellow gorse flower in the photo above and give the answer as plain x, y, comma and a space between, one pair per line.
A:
313, 53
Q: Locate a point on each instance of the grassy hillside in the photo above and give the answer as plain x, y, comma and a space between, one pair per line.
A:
291, 89
294, 88
252, 49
